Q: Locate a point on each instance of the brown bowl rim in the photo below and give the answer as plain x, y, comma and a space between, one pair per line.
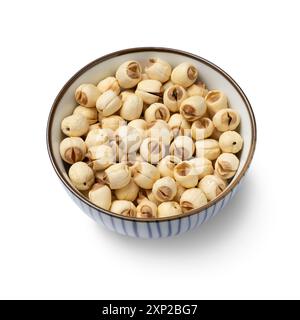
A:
106, 57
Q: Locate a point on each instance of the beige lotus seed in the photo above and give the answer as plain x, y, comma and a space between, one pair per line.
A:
129, 74
226, 119
231, 141
75, 125
191, 199
226, 165
185, 74
169, 209
81, 175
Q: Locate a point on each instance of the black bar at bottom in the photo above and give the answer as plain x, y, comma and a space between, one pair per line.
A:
139, 309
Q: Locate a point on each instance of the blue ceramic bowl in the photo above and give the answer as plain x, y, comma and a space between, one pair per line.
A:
214, 77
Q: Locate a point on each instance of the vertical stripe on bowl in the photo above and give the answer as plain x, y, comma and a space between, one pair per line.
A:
113, 223
169, 228
142, 230
227, 199
119, 226
107, 221
149, 230
202, 217
183, 225
179, 226
174, 226
154, 230
130, 228
165, 228
89, 211
124, 230
209, 213
158, 226
194, 220
197, 219
218, 206
95, 215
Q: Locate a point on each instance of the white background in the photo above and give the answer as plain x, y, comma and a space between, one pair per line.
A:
50, 249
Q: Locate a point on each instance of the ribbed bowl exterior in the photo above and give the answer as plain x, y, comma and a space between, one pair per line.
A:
156, 229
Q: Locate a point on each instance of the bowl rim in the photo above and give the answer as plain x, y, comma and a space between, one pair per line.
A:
106, 57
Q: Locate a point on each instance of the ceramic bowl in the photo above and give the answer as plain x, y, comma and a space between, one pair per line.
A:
214, 77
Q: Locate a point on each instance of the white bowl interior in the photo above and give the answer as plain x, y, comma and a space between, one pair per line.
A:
213, 79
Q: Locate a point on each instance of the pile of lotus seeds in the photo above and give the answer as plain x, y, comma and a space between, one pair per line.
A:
152, 142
